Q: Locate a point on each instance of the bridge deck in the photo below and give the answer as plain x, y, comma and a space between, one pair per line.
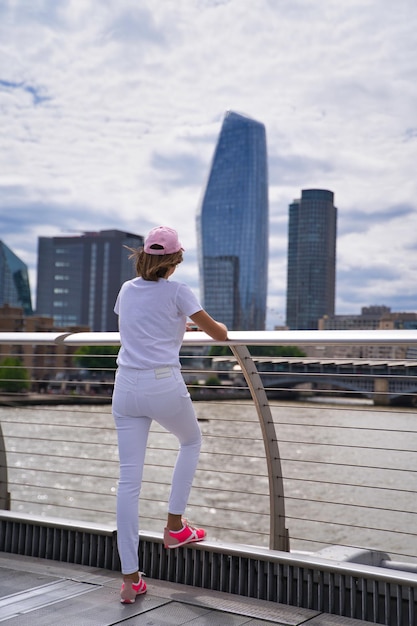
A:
42, 593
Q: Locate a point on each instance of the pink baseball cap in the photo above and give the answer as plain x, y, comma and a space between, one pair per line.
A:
162, 240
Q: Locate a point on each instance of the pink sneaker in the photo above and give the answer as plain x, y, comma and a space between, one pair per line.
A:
188, 534
130, 590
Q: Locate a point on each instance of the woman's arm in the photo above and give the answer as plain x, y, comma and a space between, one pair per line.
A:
206, 323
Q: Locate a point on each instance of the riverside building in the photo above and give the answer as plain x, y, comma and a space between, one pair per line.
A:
232, 226
79, 277
374, 317
14, 281
43, 362
311, 266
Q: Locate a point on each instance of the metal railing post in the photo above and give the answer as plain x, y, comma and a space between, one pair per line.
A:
4, 493
278, 536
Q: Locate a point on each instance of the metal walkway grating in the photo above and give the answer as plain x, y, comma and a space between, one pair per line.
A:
164, 604
345, 589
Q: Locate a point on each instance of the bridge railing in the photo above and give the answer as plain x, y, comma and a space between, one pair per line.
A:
279, 471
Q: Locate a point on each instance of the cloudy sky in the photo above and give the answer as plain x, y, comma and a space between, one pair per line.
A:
111, 109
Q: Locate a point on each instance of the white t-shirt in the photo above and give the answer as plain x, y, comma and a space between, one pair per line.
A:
152, 321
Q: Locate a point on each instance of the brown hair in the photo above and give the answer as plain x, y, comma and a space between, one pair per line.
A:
154, 266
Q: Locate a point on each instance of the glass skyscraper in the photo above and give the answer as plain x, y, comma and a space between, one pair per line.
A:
232, 226
14, 281
79, 277
311, 267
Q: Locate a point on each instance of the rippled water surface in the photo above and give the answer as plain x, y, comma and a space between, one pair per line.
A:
349, 471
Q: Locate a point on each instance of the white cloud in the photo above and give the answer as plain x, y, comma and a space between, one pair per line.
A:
111, 112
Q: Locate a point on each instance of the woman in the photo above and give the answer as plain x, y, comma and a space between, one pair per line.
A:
153, 312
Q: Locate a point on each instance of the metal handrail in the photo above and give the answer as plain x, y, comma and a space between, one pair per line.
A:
276, 337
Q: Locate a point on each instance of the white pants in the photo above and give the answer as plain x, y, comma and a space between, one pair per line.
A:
139, 397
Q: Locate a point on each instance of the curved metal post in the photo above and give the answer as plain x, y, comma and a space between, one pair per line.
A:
278, 537
4, 494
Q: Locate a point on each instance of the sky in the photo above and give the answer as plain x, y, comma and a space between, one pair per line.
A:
111, 110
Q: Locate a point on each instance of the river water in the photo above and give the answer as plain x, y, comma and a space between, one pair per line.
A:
349, 471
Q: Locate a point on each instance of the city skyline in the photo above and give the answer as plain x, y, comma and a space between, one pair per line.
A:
111, 112
232, 226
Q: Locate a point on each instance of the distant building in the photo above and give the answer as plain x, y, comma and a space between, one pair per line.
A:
311, 269
42, 361
377, 317
399, 321
370, 318
232, 226
14, 281
79, 277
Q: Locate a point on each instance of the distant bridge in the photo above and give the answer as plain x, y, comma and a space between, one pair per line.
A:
384, 381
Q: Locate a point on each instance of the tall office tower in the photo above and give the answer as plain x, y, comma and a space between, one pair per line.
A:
232, 226
79, 277
14, 281
311, 259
